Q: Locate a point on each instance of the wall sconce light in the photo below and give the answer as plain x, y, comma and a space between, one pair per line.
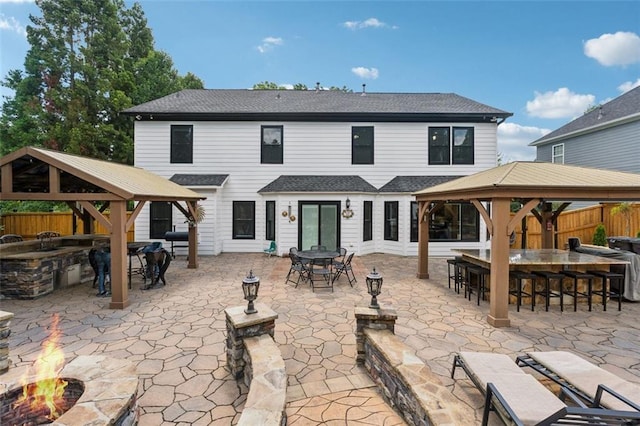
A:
289, 209
348, 203
250, 286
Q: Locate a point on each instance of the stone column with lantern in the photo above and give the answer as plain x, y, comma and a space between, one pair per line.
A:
250, 321
374, 316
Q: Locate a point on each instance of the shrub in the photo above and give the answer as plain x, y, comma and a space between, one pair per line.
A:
600, 236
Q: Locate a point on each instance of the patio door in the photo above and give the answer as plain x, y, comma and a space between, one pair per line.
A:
319, 224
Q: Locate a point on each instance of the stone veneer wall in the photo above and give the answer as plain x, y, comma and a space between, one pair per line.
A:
5, 331
405, 381
26, 278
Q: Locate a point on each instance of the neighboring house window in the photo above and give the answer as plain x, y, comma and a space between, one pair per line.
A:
463, 145
391, 220
160, 219
414, 222
244, 220
181, 144
367, 221
557, 154
270, 225
455, 222
438, 145
444, 150
271, 145
362, 145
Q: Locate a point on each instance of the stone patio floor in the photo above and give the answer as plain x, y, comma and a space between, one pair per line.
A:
176, 336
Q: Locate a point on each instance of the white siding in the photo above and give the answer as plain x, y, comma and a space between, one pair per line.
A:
310, 148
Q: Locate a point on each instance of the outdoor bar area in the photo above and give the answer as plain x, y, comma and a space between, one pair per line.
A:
34, 268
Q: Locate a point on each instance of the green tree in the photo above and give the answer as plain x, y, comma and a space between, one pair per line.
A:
88, 60
267, 85
600, 236
626, 210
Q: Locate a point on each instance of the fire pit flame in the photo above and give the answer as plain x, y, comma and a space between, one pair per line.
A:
45, 394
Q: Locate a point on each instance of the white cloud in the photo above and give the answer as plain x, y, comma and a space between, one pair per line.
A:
621, 48
11, 24
362, 72
513, 141
368, 23
268, 43
562, 103
628, 85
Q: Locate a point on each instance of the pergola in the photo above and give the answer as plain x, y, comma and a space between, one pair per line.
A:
44, 175
531, 183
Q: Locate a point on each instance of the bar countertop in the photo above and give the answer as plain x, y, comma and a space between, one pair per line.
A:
543, 257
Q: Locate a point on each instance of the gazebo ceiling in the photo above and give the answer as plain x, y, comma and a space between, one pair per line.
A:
528, 180
28, 174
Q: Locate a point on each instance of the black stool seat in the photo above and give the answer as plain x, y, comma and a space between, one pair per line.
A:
518, 277
454, 272
547, 292
615, 279
579, 275
481, 273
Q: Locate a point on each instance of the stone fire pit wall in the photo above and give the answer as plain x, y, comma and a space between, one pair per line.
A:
405, 381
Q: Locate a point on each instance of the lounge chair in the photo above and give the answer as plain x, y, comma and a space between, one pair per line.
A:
518, 398
584, 378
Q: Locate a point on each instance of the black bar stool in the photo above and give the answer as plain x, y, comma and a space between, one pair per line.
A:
547, 292
615, 280
579, 275
518, 277
454, 272
481, 275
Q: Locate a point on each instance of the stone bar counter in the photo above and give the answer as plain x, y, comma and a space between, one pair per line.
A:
29, 269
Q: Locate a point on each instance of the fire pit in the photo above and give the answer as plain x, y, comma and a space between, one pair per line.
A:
99, 391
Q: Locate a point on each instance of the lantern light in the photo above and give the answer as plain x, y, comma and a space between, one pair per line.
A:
250, 286
374, 285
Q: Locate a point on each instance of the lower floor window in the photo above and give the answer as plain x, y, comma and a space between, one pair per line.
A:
455, 222
244, 220
391, 220
160, 219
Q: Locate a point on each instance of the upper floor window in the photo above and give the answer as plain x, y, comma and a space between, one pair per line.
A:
557, 154
160, 219
367, 221
271, 145
443, 149
391, 220
270, 225
182, 144
362, 145
244, 220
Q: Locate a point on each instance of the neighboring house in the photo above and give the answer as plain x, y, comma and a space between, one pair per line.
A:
608, 137
314, 167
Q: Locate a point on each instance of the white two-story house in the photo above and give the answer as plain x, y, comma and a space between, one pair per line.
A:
314, 167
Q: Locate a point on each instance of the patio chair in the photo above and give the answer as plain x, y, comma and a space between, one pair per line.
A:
518, 398
320, 248
272, 249
44, 235
324, 272
297, 267
10, 238
339, 261
346, 269
584, 379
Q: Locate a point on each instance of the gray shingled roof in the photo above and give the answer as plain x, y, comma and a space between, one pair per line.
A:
625, 105
222, 101
414, 183
198, 180
319, 184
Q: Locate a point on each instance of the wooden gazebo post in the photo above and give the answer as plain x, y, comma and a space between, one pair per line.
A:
499, 284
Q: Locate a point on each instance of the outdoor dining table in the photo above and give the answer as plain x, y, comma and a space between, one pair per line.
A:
318, 256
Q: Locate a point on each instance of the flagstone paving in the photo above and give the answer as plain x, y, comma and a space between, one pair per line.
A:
176, 337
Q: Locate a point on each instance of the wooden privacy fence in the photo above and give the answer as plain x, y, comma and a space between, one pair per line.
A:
28, 224
580, 223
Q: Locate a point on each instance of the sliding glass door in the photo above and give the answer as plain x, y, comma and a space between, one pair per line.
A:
319, 224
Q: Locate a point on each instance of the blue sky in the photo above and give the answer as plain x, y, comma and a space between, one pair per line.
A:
546, 61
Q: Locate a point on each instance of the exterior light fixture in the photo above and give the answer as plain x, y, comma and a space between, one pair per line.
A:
250, 286
348, 203
374, 284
